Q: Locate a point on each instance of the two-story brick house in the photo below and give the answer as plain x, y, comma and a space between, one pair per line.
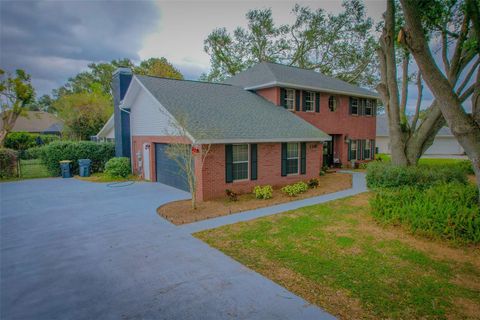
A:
345, 112
251, 139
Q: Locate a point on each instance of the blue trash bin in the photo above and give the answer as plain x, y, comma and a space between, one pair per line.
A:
65, 167
84, 167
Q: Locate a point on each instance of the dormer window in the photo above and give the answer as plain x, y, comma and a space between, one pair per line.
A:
309, 101
332, 103
290, 99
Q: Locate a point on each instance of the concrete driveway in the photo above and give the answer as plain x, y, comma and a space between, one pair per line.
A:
78, 250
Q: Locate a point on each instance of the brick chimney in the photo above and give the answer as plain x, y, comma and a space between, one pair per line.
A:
120, 82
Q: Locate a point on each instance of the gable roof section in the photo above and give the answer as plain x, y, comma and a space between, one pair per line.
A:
267, 74
38, 122
221, 113
382, 128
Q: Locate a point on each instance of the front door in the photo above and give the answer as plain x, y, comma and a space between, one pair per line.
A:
328, 153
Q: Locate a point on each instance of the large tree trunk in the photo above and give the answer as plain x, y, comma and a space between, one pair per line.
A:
462, 125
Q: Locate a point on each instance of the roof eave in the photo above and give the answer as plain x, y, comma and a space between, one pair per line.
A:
248, 140
295, 86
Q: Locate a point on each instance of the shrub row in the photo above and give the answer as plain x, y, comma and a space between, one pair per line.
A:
8, 163
294, 189
386, 175
445, 210
24, 140
56, 151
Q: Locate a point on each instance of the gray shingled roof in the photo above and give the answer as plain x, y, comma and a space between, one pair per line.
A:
38, 122
266, 74
218, 113
382, 128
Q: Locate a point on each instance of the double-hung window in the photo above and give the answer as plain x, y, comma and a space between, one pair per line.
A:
290, 99
353, 149
240, 161
354, 106
369, 108
309, 101
332, 103
292, 158
367, 147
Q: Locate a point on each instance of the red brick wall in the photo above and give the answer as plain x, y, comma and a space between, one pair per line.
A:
339, 122
213, 183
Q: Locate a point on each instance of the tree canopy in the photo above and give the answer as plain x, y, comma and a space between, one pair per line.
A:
339, 45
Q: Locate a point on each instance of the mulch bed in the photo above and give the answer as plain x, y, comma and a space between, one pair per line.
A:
181, 212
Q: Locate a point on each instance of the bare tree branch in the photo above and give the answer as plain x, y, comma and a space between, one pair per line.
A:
419, 101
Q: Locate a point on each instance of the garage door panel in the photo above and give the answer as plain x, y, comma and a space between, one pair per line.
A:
167, 170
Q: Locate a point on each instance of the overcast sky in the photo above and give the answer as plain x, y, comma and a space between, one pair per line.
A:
54, 40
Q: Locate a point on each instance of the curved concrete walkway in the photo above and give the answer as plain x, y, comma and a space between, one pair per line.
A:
77, 250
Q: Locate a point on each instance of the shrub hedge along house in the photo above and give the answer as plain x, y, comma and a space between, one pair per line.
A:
261, 128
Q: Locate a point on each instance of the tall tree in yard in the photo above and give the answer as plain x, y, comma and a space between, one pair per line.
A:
339, 45
16, 92
449, 30
465, 127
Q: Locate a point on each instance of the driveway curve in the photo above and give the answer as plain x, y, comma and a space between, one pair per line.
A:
78, 250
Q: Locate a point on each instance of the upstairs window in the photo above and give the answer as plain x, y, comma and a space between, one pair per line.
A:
369, 107
354, 106
309, 101
292, 158
290, 99
240, 161
332, 103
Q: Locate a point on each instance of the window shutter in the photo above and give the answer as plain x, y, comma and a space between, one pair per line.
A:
374, 111
284, 159
372, 152
303, 158
350, 111
253, 161
364, 152
359, 149
228, 163
283, 94
349, 147
297, 100
304, 104
317, 102
361, 107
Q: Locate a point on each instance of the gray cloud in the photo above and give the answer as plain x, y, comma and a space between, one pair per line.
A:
53, 40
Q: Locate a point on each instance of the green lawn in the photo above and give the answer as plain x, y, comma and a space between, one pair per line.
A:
425, 161
30, 169
336, 256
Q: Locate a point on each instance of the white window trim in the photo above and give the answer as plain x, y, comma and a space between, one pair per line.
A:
312, 100
369, 149
293, 99
354, 149
357, 104
248, 162
369, 105
298, 159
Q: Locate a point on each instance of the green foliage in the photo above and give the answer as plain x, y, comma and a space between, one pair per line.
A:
8, 163
84, 114
25, 140
232, 195
118, 167
445, 210
345, 38
322, 173
295, 189
386, 175
33, 153
313, 183
158, 67
263, 192
57, 151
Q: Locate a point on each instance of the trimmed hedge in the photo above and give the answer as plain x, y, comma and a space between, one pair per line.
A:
118, 167
24, 140
386, 175
8, 163
56, 151
444, 210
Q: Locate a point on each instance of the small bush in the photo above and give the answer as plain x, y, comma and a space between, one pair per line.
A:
445, 210
386, 175
232, 195
33, 153
118, 167
21, 141
56, 151
8, 163
322, 173
263, 192
294, 189
313, 183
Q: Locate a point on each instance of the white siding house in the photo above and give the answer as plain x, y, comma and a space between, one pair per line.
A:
444, 144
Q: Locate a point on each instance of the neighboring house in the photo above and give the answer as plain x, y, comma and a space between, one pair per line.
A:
107, 133
38, 122
253, 140
445, 144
